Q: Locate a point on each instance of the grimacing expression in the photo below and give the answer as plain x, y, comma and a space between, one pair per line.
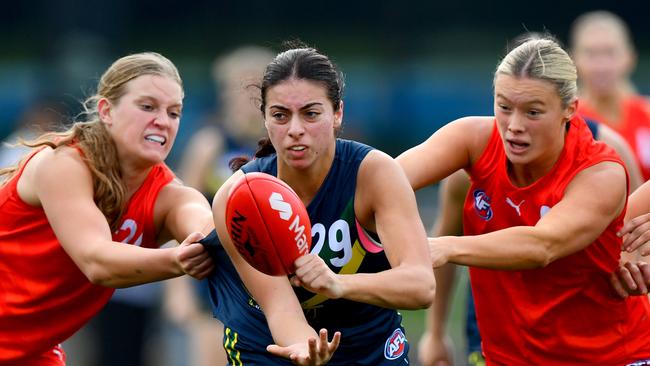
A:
301, 121
530, 119
145, 120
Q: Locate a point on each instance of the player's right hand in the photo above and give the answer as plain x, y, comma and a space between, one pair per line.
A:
192, 257
631, 279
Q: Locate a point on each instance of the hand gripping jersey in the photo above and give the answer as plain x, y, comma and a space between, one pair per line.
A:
634, 126
370, 335
566, 313
44, 297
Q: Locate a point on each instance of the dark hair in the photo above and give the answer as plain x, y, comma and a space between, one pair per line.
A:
297, 62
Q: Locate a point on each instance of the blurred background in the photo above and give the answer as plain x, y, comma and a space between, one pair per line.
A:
410, 67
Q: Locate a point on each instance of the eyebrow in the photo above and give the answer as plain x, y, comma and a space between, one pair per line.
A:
306, 106
538, 101
152, 98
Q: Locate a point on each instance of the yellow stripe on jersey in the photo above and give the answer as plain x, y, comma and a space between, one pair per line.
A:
358, 253
233, 354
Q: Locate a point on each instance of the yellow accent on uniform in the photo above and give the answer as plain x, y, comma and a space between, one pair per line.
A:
229, 345
358, 253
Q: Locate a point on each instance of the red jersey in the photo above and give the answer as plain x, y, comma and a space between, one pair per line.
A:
44, 296
566, 313
634, 126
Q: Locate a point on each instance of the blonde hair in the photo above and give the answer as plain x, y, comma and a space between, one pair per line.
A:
600, 17
543, 59
92, 138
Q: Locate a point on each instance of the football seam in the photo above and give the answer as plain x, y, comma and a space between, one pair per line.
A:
268, 231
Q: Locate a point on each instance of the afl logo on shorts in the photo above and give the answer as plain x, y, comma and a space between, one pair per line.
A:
395, 345
482, 204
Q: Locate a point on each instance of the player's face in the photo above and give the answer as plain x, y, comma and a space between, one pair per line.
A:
531, 120
144, 122
602, 58
301, 123
241, 116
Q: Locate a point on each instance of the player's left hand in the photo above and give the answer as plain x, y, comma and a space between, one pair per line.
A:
631, 278
636, 234
313, 274
313, 353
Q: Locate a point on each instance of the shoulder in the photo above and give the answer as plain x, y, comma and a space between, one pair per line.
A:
379, 170
606, 178
53, 172
63, 162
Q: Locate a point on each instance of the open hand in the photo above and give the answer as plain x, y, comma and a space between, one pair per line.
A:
312, 353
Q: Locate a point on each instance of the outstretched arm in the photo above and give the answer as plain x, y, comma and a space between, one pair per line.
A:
454, 146
592, 200
61, 183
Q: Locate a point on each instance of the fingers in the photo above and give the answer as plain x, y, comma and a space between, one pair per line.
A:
279, 351
314, 352
645, 271
203, 270
636, 232
323, 345
192, 238
635, 273
194, 258
336, 340
618, 286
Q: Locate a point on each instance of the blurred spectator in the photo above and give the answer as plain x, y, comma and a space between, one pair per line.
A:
232, 131
45, 114
605, 57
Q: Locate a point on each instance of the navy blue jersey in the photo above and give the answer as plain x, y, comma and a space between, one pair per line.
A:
371, 335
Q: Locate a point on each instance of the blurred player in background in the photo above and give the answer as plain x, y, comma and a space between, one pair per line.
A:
233, 131
605, 57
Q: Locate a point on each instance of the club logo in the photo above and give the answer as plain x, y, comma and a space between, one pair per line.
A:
278, 204
482, 204
515, 206
395, 345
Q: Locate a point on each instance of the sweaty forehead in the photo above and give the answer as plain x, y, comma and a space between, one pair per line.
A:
156, 87
524, 90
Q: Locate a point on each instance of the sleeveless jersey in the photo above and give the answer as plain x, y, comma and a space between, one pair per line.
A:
346, 248
471, 327
44, 296
634, 126
566, 313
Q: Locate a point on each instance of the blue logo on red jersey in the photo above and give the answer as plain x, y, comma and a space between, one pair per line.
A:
482, 204
395, 345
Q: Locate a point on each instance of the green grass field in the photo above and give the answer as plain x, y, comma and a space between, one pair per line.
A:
414, 322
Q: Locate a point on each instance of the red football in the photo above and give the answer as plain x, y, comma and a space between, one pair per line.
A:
268, 223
